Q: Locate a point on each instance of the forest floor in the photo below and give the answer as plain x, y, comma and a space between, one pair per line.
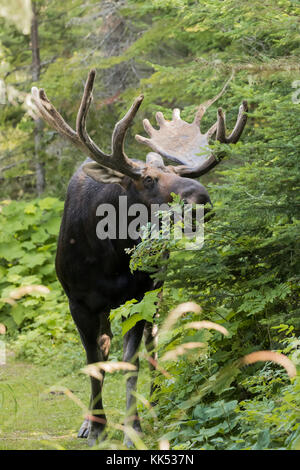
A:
36, 414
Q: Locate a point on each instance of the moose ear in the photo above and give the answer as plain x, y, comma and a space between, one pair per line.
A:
102, 174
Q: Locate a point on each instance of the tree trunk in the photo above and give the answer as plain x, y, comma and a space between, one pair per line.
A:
36, 67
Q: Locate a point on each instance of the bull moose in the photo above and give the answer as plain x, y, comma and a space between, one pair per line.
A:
95, 272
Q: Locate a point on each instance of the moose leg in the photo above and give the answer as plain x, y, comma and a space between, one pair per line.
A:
150, 338
132, 341
95, 333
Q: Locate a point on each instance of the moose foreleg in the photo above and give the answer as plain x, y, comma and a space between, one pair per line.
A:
96, 337
132, 341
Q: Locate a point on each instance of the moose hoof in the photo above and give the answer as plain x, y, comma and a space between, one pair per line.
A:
128, 443
127, 440
91, 432
96, 435
83, 432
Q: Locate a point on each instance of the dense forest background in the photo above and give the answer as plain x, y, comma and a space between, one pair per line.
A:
178, 53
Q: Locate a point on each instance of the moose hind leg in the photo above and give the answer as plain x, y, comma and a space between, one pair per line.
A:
132, 341
95, 333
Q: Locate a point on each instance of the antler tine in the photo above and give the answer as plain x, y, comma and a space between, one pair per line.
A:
238, 128
200, 113
221, 127
176, 114
117, 159
86, 100
48, 112
240, 123
118, 137
211, 130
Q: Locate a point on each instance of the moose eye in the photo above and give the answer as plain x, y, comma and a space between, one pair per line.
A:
148, 182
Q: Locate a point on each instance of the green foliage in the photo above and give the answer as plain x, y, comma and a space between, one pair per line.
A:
246, 277
39, 321
61, 29
209, 402
132, 311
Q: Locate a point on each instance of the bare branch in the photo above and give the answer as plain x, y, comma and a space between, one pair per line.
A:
204, 106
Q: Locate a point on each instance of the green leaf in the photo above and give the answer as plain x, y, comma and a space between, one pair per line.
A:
147, 306
33, 260
263, 440
18, 313
130, 322
49, 203
122, 311
11, 250
52, 225
30, 209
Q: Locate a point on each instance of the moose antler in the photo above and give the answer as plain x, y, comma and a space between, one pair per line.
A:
118, 159
183, 143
